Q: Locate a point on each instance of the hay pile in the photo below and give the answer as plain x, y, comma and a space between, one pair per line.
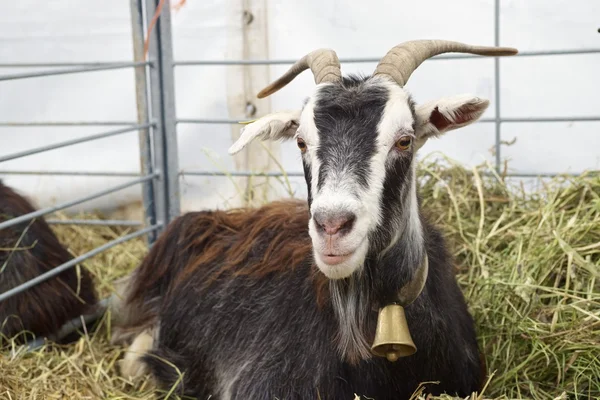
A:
529, 265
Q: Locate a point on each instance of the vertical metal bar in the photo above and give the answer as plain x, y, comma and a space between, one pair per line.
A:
497, 120
169, 111
143, 109
158, 156
162, 88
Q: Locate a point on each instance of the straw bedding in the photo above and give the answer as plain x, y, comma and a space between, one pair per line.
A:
528, 263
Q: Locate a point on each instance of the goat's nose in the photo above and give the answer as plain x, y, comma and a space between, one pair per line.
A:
332, 223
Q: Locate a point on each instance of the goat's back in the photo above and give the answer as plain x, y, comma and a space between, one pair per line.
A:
209, 245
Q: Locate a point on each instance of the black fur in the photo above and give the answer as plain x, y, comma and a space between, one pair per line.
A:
276, 325
346, 117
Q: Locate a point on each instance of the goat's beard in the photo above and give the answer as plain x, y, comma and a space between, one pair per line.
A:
351, 303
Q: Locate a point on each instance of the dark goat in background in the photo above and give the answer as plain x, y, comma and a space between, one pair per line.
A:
282, 301
28, 250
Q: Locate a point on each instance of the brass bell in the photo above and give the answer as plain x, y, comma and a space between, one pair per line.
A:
392, 337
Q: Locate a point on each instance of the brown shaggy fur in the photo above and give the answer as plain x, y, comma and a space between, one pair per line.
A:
227, 239
28, 250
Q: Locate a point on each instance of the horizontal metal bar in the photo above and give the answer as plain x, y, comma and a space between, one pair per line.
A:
73, 173
48, 210
239, 173
94, 222
74, 141
552, 119
548, 174
355, 60
190, 173
69, 264
65, 123
69, 327
556, 52
301, 174
209, 121
523, 119
377, 59
73, 70
527, 174
62, 64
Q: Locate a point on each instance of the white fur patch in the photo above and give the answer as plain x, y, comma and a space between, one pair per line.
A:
351, 310
397, 117
307, 129
414, 227
131, 366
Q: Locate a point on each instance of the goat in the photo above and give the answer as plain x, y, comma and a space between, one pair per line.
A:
28, 250
282, 301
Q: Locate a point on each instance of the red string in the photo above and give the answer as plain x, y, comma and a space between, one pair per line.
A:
176, 7
151, 26
157, 12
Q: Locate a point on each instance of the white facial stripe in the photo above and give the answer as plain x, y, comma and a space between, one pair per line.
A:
397, 116
415, 229
308, 128
308, 131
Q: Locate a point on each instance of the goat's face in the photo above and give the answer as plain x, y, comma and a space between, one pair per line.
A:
358, 139
355, 138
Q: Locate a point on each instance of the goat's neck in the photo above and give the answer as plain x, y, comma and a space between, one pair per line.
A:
356, 299
395, 266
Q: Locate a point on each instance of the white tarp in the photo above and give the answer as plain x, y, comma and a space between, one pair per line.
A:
67, 30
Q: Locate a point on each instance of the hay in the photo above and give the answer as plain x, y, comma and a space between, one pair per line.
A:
528, 264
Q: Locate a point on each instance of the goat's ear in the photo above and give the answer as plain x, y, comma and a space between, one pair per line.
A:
448, 113
276, 126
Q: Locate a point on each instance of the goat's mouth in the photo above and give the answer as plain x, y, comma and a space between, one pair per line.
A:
340, 263
335, 259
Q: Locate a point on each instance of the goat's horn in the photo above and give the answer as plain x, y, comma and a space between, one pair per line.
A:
323, 63
413, 289
402, 60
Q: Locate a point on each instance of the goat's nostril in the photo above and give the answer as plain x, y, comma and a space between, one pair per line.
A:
349, 223
334, 223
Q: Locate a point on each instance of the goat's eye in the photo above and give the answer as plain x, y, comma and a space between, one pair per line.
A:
403, 143
301, 145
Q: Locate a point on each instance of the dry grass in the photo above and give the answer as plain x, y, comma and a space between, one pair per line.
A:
529, 265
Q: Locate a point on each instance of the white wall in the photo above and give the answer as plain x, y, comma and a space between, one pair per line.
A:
68, 30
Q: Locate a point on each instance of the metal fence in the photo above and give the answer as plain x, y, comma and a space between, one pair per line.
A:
157, 128
157, 140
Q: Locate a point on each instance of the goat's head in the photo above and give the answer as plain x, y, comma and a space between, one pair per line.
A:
358, 138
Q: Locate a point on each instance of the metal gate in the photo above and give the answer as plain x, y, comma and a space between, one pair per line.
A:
155, 127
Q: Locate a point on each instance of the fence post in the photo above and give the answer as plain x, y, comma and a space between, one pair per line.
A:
149, 200
243, 83
162, 105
